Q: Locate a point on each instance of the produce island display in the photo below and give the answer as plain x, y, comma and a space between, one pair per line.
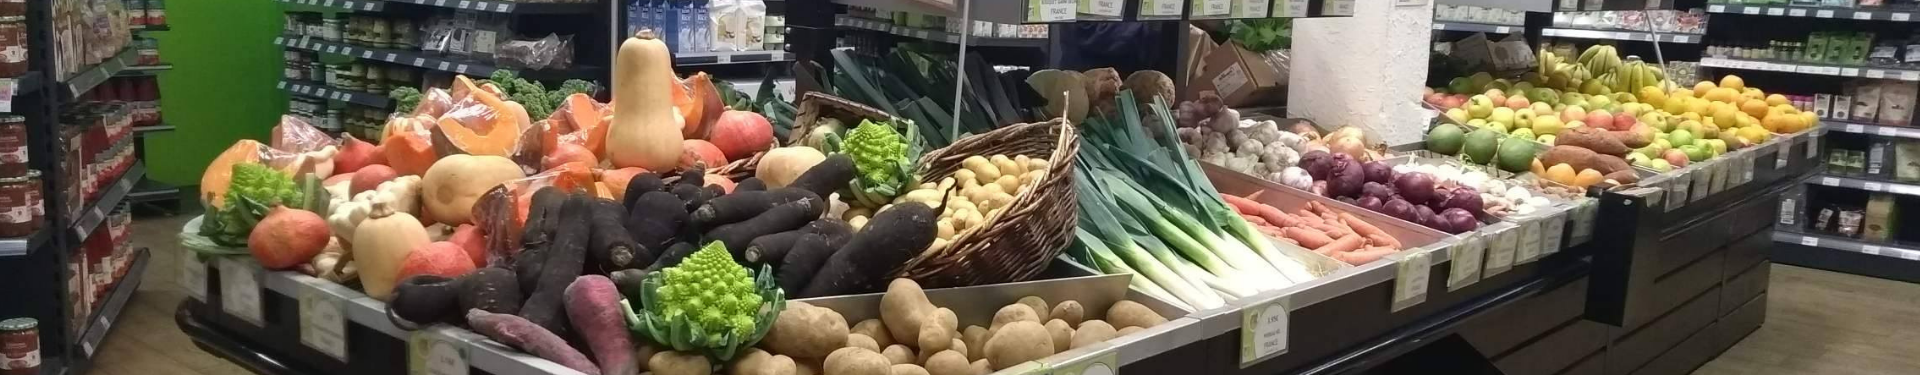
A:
684, 229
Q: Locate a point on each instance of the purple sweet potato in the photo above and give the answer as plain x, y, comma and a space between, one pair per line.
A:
519, 333
593, 305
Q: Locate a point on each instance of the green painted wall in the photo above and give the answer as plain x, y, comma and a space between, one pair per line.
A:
221, 88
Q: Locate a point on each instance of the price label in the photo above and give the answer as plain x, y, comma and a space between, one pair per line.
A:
193, 276
1850, 72
1785, 147
329, 3
462, 69
1553, 232
1295, 8
420, 62
1813, 144
1212, 8
1902, 17
1809, 241
1263, 331
439, 3
1870, 249
366, 54
391, 57
1910, 255
281, 85
1776, 11
1823, 13
1910, 76
368, 6
465, 4
1529, 246
1750, 10
1339, 7
1582, 218
1873, 186
1500, 251
1113, 8
1886, 132
502, 8
443, 66
1410, 280
1856, 128
1716, 8
1862, 15
1905, 189
1876, 74
1797, 12
240, 291
1464, 261
431, 353
333, 49
1107, 363
1622, 36
1503, 30
1251, 8
323, 322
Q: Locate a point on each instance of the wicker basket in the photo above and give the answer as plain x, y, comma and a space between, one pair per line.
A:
1029, 233
815, 105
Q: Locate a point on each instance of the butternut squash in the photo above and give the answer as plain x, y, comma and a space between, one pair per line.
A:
643, 133
480, 131
452, 185
381, 243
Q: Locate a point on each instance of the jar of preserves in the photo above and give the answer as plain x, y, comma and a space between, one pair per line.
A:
35, 200
16, 206
402, 33
378, 32
13, 145
332, 28
13, 8
19, 345
13, 46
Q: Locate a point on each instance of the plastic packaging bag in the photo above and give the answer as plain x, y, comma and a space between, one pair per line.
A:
551, 52
502, 211
295, 135
435, 102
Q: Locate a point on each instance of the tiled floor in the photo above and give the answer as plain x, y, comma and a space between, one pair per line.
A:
1818, 322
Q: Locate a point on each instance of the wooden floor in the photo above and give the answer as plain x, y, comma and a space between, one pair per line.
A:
1818, 322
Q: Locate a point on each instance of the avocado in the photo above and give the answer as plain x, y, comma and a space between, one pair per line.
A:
1481, 144
1445, 139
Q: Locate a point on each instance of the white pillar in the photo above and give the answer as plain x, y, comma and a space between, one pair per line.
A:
1365, 70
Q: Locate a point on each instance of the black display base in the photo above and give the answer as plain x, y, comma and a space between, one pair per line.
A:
1846, 261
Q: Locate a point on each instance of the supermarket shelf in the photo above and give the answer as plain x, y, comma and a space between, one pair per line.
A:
935, 35
1816, 12
152, 128
145, 70
318, 90
1847, 255
91, 218
403, 57
87, 79
1879, 130
1865, 184
1815, 69
148, 190
1621, 35
26, 84
23, 245
730, 57
109, 312
151, 28
474, 5
1477, 27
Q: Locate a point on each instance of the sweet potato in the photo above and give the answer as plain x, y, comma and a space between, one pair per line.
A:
1307, 237
593, 306
524, 335
1592, 139
1627, 138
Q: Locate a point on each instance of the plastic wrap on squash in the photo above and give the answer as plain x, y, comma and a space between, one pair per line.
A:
502, 211
435, 102
293, 134
578, 121
407, 142
477, 127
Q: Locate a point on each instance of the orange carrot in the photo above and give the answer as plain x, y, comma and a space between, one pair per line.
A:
1331, 230
1308, 217
1256, 220
1252, 207
1383, 241
1367, 229
1344, 244
1307, 236
1361, 257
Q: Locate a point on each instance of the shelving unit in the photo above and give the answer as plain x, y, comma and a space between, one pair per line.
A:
1815, 12
1621, 35
320, 90
845, 21
150, 192
1477, 27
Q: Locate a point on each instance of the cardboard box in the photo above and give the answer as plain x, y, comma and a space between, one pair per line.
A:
1842, 107
1241, 77
1821, 102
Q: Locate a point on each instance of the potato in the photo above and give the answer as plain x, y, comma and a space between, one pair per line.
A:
982, 367
975, 338
948, 362
1007, 166
679, 363
1090, 332
1012, 313
1061, 332
808, 368
758, 362
645, 352
1128, 331
982, 168
907, 369
958, 346
805, 331
1039, 305
1126, 314
898, 354
875, 329
1070, 311
857, 361
937, 330
1008, 184
902, 308
1018, 342
856, 340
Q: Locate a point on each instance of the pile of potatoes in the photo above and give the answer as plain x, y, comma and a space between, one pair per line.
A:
914, 337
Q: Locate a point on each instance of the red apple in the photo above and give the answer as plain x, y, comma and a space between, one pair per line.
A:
1676, 157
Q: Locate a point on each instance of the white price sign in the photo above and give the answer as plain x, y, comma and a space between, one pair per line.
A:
1464, 259
1797, 12
433, 353
240, 290
1530, 239
1873, 186
1902, 17
1251, 8
1862, 15
323, 322
1870, 249
1294, 8
193, 276
1410, 280
1776, 11
1500, 247
1823, 13
1263, 331
1750, 10
1809, 241
1112, 8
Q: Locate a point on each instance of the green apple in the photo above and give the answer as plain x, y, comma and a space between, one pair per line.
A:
1458, 115
1460, 85
1639, 158
1547, 125
1477, 123
1480, 80
1522, 133
1690, 126
1719, 147
1523, 85
1681, 138
1500, 126
1523, 118
1502, 115
1663, 143
1695, 153
1660, 165
1479, 106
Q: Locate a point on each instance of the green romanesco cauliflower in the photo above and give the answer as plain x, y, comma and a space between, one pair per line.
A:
880, 156
254, 189
712, 290
706, 304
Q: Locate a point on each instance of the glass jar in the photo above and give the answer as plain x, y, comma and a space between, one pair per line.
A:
13, 8
19, 345
379, 32
375, 79
17, 201
13, 145
13, 46
332, 28
402, 33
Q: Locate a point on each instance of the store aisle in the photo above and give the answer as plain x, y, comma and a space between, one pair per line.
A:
145, 340
1821, 322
